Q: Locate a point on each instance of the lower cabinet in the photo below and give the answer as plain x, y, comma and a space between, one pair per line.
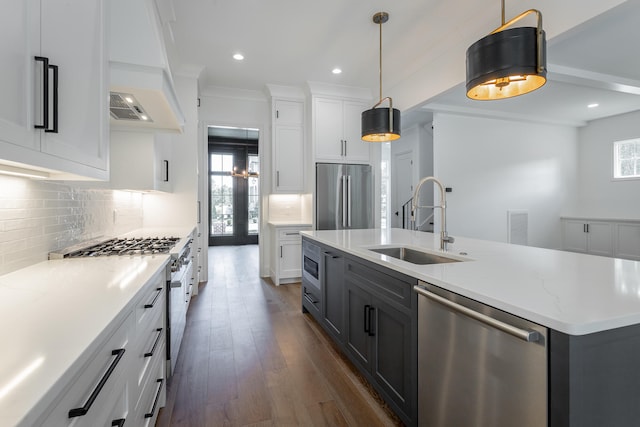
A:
379, 339
286, 254
123, 380
371, 314
612, 238
333, 294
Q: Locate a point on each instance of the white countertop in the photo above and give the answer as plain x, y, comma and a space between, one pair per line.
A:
290, 223
51, 313
573, 293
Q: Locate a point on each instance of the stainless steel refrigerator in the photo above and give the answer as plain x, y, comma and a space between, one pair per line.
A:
344, 196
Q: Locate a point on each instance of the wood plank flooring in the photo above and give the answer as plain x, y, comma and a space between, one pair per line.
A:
249, 357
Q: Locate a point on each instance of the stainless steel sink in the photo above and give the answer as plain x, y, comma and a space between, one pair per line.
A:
413, 256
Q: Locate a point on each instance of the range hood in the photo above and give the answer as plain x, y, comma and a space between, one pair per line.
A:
139, 69
152, 96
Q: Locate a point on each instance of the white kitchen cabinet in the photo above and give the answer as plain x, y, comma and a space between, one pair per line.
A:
592, 237
78, 47
288, 146
336, 131
141, 161
286, 256
627, 240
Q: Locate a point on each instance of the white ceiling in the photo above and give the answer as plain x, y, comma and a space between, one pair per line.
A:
290, 42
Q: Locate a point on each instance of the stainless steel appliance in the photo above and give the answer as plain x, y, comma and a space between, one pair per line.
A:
311, 276
179, 276
478, 366
344, 196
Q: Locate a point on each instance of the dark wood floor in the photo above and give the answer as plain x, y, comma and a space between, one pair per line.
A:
250, 357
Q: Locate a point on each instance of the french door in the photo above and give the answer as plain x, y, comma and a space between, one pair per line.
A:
234, 201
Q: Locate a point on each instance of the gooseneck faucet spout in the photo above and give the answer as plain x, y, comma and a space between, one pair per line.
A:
415, 205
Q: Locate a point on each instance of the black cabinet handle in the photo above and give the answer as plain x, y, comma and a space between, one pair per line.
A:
152, 303
118, 422
331, 255
78, 412
54, 129
155, 344
45, 92
155, 401
367, 318
371, 331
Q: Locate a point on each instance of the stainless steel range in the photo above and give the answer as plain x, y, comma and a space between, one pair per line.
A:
179, 276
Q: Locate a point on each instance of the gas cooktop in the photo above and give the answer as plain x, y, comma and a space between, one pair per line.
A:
126, 246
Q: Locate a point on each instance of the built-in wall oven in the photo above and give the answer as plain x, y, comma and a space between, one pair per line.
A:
311, 255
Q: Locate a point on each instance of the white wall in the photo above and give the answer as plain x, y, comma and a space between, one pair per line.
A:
496, 165
244, 108
598, 194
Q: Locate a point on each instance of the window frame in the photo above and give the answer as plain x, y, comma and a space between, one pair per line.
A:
616, 160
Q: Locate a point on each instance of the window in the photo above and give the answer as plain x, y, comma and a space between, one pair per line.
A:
626, 159
222, 186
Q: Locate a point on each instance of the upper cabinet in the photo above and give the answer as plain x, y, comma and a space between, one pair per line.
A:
288, 139
336, 131
53, 112
141, 161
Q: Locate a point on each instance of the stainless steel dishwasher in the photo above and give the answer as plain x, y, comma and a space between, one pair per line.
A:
478, 366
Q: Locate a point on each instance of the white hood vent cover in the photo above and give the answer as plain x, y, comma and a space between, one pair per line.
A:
125, 106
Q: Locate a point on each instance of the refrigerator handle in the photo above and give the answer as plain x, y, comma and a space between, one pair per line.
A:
344, 201
349, 200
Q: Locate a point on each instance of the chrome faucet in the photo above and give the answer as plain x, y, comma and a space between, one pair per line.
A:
444, 237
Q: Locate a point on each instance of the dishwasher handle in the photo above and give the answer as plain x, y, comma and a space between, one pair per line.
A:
529, 336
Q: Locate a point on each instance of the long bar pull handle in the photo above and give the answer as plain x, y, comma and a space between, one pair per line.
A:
45, 92
349, 200
118, 423
152, 303
54, 93
345, 148
529, 336
155, 344
277, 178
344, 201
78, 412
371, 331
155, 400
367, 319
331, 255
280, 251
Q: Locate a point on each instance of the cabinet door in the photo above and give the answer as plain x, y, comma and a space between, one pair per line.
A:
288, 159
356, 335
78, 47
627, 238
356, 150
574, 236
599, 236
391, 365
290, 259
289, 113
328, 129
333, 294
19, 31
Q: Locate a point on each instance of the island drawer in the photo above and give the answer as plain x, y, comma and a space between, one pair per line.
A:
388, 284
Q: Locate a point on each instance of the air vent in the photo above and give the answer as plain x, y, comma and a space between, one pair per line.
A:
518, 227
124, 106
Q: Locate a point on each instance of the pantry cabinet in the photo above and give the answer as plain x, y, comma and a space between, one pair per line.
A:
336, 131
288, 146
54, 67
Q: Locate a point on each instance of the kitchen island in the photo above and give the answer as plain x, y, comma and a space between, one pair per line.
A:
590, 304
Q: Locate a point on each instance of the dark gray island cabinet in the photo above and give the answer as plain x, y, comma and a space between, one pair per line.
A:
371, 313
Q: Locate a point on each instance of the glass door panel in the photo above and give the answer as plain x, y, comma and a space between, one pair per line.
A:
253, 194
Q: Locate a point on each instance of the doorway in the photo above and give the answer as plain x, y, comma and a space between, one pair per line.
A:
234, 191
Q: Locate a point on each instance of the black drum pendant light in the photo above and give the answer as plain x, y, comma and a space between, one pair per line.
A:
381, 124
507, 63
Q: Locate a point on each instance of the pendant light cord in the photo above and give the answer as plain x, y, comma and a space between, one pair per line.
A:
380, 63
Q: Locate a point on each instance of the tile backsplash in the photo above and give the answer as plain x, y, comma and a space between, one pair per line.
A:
37, 217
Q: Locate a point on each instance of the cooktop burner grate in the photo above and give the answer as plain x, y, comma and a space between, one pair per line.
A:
131, 246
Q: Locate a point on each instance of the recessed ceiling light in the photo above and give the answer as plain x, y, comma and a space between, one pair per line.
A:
143, 117
594, 105
336, 71
129, 99
238, 56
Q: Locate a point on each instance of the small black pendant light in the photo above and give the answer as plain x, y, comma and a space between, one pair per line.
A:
381, 124
507, 63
